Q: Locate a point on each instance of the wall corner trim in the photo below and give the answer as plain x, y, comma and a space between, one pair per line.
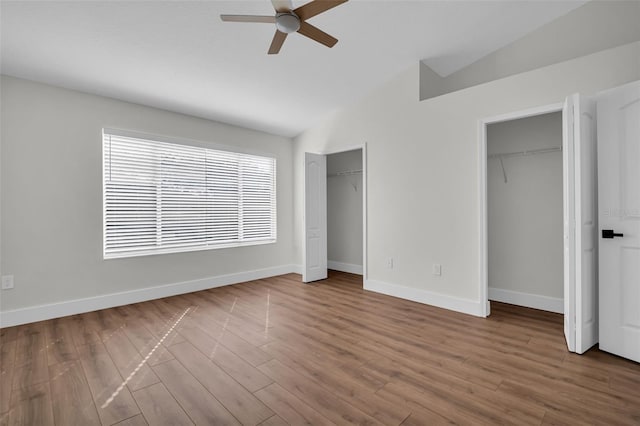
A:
465, 306
77, 306
535, 301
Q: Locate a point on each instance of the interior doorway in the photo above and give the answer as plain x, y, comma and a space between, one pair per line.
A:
344, 211
525, 212
579, 212
335, 213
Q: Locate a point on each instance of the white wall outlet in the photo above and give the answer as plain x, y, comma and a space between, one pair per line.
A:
389, 263
7, 282
437, 269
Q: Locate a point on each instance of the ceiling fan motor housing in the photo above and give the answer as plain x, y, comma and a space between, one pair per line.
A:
287, 22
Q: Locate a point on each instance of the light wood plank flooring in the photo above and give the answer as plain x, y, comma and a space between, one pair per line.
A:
276, 352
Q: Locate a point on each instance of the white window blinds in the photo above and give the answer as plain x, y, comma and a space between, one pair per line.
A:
164, 197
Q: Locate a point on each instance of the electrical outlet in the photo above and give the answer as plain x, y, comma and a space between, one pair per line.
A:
389, 263
7, 282
437, 269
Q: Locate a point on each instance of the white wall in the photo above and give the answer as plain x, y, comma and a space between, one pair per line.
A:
344, 212
525, 213
591, 28
52, 198
422, 169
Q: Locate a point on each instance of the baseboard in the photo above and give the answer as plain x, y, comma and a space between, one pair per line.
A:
439, 300
78, 306
345, 267
544, 303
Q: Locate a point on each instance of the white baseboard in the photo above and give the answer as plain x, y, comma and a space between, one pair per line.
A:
535, 301
345, 267
78, 306
452, 303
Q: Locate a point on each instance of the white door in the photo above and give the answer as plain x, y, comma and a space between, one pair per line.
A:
315, 218
619, 220
580, 229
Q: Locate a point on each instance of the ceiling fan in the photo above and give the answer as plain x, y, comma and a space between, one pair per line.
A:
289, 20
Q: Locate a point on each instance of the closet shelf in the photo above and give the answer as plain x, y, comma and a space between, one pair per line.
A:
345, 173
525, 153
521, 154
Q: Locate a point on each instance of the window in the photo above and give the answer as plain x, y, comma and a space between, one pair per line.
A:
162, 197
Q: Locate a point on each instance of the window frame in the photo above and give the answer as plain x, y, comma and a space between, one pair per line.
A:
210, 146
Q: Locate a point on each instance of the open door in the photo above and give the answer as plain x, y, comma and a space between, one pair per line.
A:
315, 217
580, 227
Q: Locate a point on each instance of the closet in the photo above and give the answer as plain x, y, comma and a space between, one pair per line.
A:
525, 212
344, 211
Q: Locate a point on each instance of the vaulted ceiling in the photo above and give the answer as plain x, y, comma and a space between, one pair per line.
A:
179, 56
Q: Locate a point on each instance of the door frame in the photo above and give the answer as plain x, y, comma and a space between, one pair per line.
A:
363, 147
483, 216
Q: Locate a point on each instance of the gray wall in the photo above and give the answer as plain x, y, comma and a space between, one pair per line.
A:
52, 197
525, 213
344, 209
596, 26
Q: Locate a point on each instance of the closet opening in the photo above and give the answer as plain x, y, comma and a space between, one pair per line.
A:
334, 219
526, 218
345, 201
524, 205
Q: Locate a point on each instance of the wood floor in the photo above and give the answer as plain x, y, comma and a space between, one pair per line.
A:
276, 351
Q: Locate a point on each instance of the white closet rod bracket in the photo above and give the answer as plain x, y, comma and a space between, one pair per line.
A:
504, 172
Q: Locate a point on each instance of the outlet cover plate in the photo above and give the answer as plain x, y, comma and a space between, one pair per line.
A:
7, 282
437, 269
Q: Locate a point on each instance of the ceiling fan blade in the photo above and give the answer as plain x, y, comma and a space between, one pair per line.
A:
278, 39
316, 7
248, 18
282, 5
316, 34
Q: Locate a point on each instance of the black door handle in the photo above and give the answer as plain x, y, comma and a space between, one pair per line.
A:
608, 233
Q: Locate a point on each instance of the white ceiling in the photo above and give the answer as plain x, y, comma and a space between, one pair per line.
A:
179, 56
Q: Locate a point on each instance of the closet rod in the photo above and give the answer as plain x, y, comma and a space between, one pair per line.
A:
346, 173
525, 153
